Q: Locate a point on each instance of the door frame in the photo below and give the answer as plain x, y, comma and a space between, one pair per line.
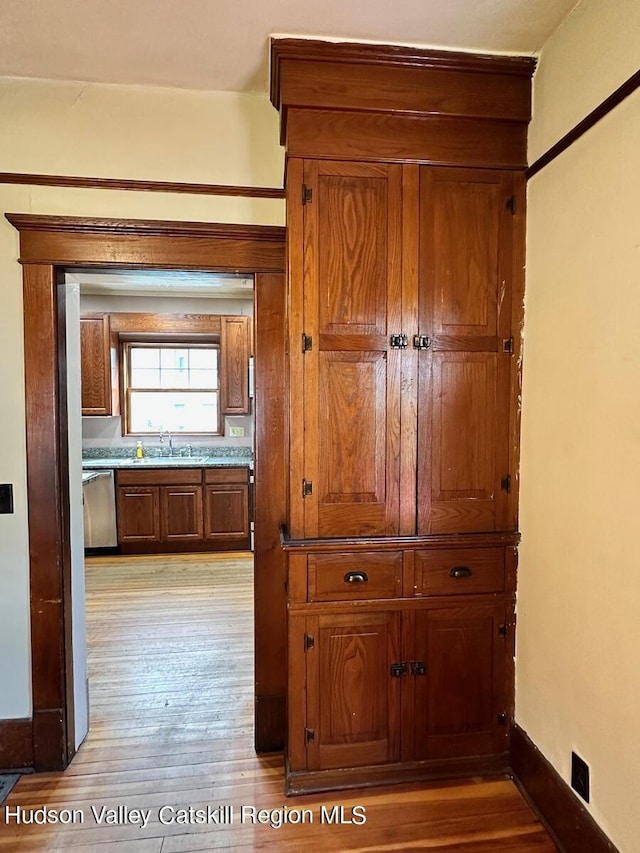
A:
48, 246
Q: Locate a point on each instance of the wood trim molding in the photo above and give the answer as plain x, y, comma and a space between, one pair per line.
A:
395, 543
16, 744
566, 819
354, 53
622, 92
73, 241
28, 179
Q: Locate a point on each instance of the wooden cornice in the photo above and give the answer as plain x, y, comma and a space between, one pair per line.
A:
28, 179
145, 227
72, 241
353, 53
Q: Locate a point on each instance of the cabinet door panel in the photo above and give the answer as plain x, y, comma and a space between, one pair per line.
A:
352, 281
138, 514
464, 378
459, 699
353, 704
234, 372
181, 512
226, 512
95, 365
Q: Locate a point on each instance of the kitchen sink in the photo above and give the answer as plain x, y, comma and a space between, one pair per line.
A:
162, 461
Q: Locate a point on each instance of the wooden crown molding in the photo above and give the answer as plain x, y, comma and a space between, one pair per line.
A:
26, 178
144, 227
353, 53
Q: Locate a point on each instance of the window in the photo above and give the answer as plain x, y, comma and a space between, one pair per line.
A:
172, 386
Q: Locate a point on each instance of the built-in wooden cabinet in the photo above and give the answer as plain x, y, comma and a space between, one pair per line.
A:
235, 348
96, 366
405, 216
175, 509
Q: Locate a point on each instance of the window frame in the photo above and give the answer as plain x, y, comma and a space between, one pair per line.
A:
129, 341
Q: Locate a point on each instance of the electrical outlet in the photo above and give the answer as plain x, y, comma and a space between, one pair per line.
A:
580, 776
236, 431
6, 497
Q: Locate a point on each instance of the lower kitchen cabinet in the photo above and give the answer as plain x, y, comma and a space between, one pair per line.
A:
411, 686
226, 506
166, 510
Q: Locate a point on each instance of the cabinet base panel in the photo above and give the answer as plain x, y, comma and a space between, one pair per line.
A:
184, 547
315, 781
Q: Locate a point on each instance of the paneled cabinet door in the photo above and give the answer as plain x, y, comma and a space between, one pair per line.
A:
95, 365
138, 514
460, 693
181, 513
234, 372
352, 233
465, 287
353, 700
226, 512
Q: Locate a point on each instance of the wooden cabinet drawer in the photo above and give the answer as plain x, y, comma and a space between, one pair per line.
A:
459, 571
340, 577
226, 475
160, 476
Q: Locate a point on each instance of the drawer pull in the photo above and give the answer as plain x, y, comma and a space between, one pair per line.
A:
356, 577
460, 572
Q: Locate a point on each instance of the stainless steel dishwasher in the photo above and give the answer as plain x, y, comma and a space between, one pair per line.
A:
99, 499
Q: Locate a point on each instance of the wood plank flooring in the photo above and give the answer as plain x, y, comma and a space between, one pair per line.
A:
170, 665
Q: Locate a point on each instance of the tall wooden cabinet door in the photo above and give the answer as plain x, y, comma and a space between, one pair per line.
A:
352, 290
95, 365
461, 694
181, 512
353, 700
464, 309
234, 368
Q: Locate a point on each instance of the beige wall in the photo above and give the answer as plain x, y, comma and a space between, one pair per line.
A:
105, 131
577, 670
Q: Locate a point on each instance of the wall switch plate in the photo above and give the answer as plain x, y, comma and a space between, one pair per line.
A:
580, 776
6, 498
236, 431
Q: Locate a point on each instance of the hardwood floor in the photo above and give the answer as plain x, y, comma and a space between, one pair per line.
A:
171, 681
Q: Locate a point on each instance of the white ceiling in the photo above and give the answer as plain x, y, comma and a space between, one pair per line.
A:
174, 283
224, 44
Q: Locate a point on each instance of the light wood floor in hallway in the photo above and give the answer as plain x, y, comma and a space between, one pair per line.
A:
171, 679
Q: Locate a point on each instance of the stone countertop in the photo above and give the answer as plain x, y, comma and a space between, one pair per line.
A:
169, 462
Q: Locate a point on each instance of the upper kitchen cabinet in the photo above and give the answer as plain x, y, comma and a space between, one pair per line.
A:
99, 396
235, 348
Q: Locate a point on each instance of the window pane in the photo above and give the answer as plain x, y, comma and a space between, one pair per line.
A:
174, 379
152, 411
145, 357
173, 358
203, 378
142, 377
202, 359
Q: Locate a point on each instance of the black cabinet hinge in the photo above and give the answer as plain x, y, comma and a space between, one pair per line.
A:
421, 342
502, 631
418, 667
398, 669
511, 204
309, 735
503, 719
307, 194
505, 483
307, 488
307, 343
309, 642
507, 345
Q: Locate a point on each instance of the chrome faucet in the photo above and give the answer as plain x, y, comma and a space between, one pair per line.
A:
166, 432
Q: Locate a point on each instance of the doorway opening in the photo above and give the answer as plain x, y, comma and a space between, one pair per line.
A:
50, 245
